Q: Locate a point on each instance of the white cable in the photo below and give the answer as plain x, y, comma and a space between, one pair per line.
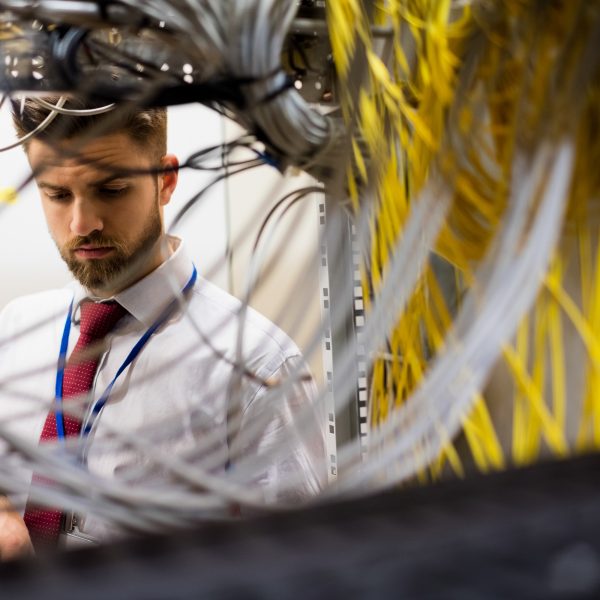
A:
89, 112
38, 129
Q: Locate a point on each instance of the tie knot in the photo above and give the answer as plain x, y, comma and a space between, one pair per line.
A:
98, 318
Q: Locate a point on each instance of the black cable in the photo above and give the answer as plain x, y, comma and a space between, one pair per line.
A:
106, 51
220, 150
187, 164
302, 191
192, 201
65, 43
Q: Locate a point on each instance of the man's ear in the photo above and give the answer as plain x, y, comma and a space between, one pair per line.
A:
167, 180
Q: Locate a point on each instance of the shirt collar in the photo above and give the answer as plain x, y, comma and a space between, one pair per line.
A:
146, 299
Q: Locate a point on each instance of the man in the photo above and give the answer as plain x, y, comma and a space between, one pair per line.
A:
163, 351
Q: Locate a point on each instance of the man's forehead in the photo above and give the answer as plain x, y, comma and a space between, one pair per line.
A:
114, 151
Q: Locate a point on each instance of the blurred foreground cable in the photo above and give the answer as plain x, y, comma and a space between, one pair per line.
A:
518, 534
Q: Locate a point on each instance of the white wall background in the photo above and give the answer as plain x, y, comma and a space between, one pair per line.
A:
289, 295
28, 258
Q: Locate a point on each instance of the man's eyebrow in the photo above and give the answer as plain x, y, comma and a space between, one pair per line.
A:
50, 186
110, 179
94, 184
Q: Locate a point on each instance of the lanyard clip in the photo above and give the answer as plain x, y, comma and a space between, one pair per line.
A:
69, 522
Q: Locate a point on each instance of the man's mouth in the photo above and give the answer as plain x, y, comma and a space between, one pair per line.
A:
88, 251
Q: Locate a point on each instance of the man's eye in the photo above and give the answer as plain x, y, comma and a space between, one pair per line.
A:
59, 196
111, 192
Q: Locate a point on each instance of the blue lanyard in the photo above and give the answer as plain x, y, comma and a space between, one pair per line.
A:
99, 405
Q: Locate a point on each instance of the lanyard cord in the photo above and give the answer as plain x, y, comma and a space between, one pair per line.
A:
60, 375
100, 403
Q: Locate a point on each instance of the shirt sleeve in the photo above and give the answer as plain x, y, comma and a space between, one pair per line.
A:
279, 445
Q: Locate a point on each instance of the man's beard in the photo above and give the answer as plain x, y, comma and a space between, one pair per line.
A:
119, 268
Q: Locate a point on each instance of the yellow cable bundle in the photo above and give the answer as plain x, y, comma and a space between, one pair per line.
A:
466, 89
8, 195
547, 380
399, 169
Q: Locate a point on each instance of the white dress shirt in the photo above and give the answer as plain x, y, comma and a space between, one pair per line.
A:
182, 395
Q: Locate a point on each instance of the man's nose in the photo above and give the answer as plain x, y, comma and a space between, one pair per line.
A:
85, 218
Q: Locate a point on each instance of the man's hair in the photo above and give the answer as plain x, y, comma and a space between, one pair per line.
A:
147, 127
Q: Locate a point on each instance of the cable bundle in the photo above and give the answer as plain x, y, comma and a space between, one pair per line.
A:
489, 108
174, 52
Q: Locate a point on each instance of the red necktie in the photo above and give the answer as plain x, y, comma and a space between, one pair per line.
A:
97, 319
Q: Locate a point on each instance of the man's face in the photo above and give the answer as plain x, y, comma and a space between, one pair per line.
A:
106, 223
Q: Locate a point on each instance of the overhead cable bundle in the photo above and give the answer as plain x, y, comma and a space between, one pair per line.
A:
167, 53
